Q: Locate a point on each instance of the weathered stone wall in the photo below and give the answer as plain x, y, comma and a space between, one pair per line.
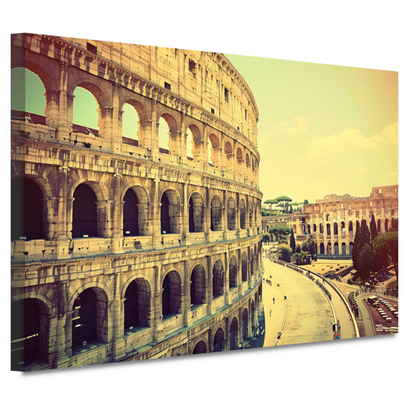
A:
56, 269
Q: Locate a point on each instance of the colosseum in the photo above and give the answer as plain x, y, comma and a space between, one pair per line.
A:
123, 248
332, 221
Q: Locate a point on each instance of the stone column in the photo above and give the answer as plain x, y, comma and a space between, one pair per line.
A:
117, 327
209, 285
52, 108
157, 306
117, 233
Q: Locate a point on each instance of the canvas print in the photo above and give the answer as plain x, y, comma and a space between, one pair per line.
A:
169, 202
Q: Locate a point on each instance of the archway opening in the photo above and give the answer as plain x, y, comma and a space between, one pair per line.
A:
216, 214
130, 124
196, 213
233, 273
219, 344
171, 295
244, 265
245, 324
26, 210
84, 218
29, 333
231, 214
85, 112
200, 348
137, 305
130, 214
218, 279
233, 334
198, 286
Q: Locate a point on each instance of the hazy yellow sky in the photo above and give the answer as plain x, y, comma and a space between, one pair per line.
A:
323, 129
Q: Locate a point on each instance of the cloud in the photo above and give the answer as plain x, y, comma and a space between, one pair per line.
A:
362, 169
350, 140
300, 126
391, 132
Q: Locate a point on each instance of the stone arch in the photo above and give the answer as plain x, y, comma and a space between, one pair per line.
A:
218, 279
231, 214
214, 147
244, 324
170, 212
328, 229
234, 333
137, 297
344, 248
198, 286
219, 341
228, 150
336, 248
29, 208
351, 246
314, 228
335, 228
200, 347
88, 209
196, 213
171, 294
216, 213
30, 328
90, 314
142, 115
244, 267
240, 161
136, 208
233, 272
243, 220
321, 248
196, 142
173, 133
329, 248
350, 226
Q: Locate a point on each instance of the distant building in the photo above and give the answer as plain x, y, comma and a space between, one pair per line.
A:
332, 224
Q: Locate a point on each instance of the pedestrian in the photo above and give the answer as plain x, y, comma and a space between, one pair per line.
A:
273, 301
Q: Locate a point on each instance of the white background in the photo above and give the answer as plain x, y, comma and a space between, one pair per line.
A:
348, 377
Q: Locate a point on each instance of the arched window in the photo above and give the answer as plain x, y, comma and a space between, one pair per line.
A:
200, 348
328, 229
335, 228
164, 137
130, 214
218, 279
234, 334
350, 226
344, 248
336, 248
219, 344
84, 319
198, 287
29, 333
170, 216
26, 210
243, 224
85, 111
245, 324
231, 214
244, 265
196, 213
137, 304
84, 213
216, 214
232, 273
171, 295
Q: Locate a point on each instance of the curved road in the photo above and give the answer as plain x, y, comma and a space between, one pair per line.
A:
306, 314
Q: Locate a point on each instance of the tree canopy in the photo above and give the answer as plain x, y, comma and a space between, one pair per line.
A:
388, 245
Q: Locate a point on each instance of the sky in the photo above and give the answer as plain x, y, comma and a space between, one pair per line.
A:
323, 129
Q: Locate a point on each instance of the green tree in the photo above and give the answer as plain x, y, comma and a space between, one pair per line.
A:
292, 240
280, 230
373, 228
305, 202
387, 245
270, 202
366, 261
285, 252
298, 248
355, 253
283, 199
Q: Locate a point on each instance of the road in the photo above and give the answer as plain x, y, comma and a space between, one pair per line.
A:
309, 316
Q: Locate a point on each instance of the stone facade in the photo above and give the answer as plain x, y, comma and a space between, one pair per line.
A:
126, 250
332, 224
